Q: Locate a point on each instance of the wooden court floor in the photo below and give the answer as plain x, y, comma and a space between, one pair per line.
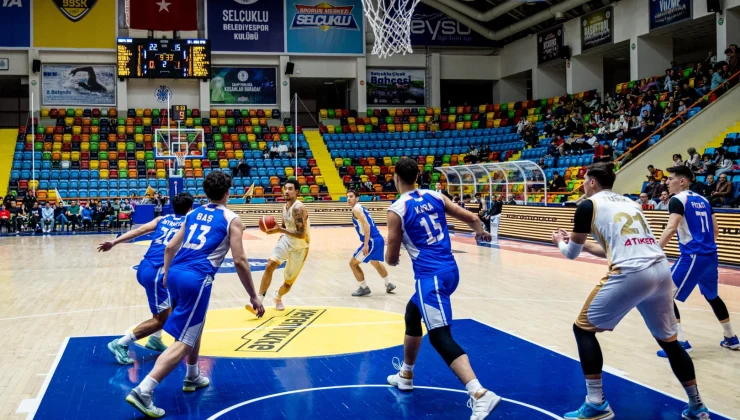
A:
55, 287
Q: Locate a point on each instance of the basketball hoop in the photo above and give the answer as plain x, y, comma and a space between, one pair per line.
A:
180, 156
391, 23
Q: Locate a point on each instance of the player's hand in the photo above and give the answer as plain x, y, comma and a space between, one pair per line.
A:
557, 237
257, 305
164, 279
105, 246
276, 229
365, 250
565, 234
483, 236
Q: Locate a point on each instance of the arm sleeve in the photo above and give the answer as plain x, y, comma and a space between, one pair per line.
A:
675, 206
583, 217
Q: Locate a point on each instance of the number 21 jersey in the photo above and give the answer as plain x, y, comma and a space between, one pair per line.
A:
206, 239
166, 228
425, 234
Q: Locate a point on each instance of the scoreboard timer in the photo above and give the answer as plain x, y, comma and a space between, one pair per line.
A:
164, 58
179, 112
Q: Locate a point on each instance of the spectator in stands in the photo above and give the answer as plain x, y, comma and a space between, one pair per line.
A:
60, 215
726, 165
677, 160
274, 152
707, 166
158, 203
438, 188
656, 173
5, 218
664, 200
722, 193
681, 109
608, 154
125, 211
706, 85
706, 189
34, 217
18, 217
651, 188
718, 78
424, 179
557, 183
110, 215
732, 63
28, 201
74, 212
643, 132
694, 160
699, 72
266, 153
645, 202
47, 218
668, 81
242, 169
687, 93
552, 149
86, 216
283, 149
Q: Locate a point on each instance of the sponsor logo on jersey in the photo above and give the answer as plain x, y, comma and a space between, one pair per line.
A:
75, 10
227, 265
324, 16
277, 331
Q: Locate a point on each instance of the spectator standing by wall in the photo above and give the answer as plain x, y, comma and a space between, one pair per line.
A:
722, 193
47, 218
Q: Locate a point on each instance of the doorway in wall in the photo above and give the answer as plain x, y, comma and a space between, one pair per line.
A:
316, 94
13, 101
462, 92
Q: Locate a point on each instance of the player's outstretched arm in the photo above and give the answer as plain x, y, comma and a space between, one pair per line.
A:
132, 234
469, 218
171, 250
395, 235
241, 263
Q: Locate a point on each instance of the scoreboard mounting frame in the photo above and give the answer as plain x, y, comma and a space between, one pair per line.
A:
148, 58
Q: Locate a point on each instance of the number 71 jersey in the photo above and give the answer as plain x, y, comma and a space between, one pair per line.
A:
622, 230
166, 228
206, 239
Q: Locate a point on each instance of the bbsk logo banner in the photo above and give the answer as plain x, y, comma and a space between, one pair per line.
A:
15, 23
430, 27
668, 12
549, 44
246, 25
597, 28
325, 27
395, 87
74, 24
65, 84
244, 86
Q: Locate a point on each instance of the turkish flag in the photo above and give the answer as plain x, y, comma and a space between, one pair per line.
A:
163, 15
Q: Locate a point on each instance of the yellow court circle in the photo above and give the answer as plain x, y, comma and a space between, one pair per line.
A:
297, 332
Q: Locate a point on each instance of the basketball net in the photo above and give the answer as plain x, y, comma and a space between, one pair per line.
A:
180, 156
391, 23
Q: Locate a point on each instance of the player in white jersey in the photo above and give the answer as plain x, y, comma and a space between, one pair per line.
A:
291, 247
191, 260
372, 248
149, 274
639, 277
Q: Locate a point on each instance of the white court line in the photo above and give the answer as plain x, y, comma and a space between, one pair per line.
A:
30, 406
400, 321
614, 370
300, 391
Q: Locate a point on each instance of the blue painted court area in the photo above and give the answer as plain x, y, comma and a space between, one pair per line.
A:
536, 382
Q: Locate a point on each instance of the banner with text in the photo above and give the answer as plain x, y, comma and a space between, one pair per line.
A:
668, 12
549, 44
86, 85
395, 87
597, 28
246, 25
430, 27
244, 86
324, 27
74, 24
15, 23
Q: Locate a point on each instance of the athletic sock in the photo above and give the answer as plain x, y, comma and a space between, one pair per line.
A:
727, 327
127, 339
679, 330
147, 385
595, 391
192, 371
363, 284
407, 368
157, 334
387, 280
473, 387
262, 297
694, 398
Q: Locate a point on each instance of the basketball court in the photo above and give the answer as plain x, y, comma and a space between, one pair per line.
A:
328, 354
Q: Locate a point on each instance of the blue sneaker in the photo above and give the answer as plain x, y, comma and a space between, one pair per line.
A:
731, 343
685, 344
590, 411
696, 414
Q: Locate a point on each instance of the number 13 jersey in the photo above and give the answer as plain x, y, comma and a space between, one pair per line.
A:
619, 226
425, 234
206, 239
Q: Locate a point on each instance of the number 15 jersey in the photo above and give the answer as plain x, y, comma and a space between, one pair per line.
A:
206, 239
619, 226
425, 234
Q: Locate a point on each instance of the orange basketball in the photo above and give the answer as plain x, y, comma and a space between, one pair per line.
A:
267, 222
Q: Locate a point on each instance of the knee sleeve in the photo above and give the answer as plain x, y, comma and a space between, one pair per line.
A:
442, 341
675, 312
681, 363
719, 308
589, 351
413, 320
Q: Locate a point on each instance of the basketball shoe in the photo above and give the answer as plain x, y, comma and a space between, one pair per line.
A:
589, 411
686, 346
279, 302
190, 385
361, 291
390, 287
482, 403
144, 403
731, 343
695, 414
404, 381
156, 344
120, 352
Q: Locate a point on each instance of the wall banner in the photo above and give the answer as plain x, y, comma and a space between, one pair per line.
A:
85, 85
430, 27
324, 27
597, 28
246, 25
668, 12
15, 23
395, 87
80, 24
549, 44
244, 86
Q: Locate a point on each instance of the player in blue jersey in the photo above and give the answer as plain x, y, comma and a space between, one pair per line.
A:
417, 220
372, 248
693, 220
191, 260
149, 274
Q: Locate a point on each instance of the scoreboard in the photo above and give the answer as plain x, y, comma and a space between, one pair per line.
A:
164, 58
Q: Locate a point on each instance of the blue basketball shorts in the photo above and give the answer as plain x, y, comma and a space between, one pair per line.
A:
690, 270
190, 292
376, 251
432, 297
150, 278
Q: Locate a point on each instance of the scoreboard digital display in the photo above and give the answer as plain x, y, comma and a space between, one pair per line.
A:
164, 58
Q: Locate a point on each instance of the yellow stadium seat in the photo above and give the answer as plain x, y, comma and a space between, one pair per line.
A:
122, 165
139, 112
320, 180
360, 128
330, 129
223, 163
238, 153
289, 172
323, 113
161, 173
147, 121
104, 174
376, 170
268, 113
406, 128
374, 121
338, 162
79, 112
221, 113
45, 112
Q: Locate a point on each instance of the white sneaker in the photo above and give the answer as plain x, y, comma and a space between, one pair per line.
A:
190, 385
482, 403
279, 302
403, 383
